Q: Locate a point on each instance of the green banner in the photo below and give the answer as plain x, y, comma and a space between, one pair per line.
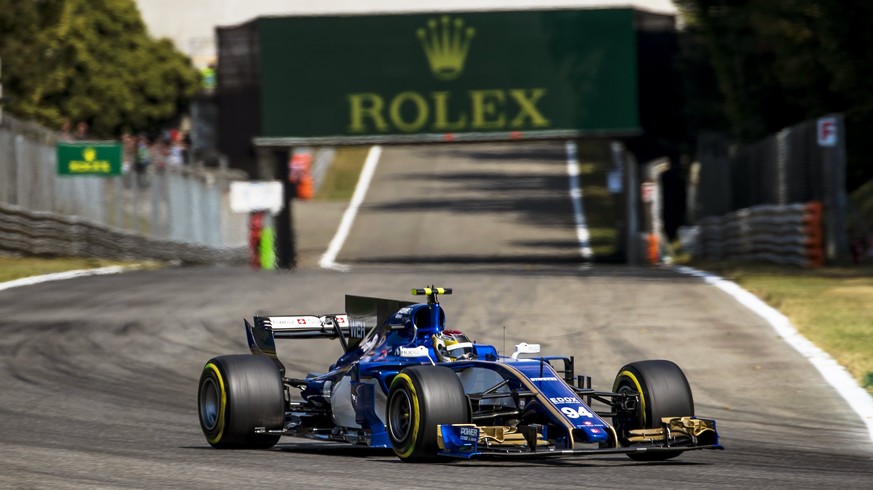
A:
445, 76
89, 158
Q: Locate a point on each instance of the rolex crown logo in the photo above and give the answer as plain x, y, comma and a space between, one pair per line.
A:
89, 154
446, 42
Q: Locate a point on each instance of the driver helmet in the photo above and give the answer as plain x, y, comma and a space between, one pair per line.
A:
453, 345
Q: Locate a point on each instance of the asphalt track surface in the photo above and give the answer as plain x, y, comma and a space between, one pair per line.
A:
98, 375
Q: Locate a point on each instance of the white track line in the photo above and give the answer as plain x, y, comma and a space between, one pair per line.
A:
60, 276
576, 197
835, 374
328, 260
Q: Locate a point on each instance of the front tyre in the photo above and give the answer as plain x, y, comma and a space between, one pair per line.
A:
664, 392
420, 399
236, 394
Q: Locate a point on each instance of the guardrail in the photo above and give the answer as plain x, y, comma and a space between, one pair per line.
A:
783, 234
44, 233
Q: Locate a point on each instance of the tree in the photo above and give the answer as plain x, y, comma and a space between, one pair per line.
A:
92, 61
780, 62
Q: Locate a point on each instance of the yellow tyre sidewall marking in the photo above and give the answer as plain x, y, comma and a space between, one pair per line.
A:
639, 388
416, 415
222, 408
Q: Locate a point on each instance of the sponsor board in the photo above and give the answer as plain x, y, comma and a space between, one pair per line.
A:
478, 73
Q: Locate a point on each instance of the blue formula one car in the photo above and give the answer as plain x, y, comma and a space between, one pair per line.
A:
406, 382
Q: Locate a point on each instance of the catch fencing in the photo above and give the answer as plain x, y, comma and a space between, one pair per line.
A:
186, 205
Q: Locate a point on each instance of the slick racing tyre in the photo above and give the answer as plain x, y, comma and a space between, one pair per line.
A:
236, 394
664, 392
420, 399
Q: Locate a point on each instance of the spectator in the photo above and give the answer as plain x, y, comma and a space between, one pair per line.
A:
128, 149
159, 154
176, 156
207, 78
66, 131
81, 131
143, 158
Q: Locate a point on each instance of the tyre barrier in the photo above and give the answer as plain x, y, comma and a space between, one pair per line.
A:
50, 234
782, 234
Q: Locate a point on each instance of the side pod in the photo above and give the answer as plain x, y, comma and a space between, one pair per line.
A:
263, 343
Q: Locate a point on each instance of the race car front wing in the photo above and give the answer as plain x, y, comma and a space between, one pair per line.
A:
471, 441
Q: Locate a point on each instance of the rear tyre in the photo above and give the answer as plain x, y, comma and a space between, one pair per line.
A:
420, 399
236, 394
664, 392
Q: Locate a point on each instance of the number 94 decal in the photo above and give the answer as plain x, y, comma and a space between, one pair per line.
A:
575, 413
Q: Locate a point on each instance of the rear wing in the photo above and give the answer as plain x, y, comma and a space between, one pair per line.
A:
310, 326
363, 314
266, 329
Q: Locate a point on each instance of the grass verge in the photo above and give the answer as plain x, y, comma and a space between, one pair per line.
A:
12, 268
831, 306
601, 207
342, 176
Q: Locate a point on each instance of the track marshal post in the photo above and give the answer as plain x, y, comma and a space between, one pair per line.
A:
286, 250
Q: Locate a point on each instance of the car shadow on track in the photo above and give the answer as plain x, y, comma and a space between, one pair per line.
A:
386, 455
328, 449
322, 449
379, 455
572, 462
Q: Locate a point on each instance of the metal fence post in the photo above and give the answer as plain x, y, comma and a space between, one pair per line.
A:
633, 226
154, 204
20, 184
118, 200
834, 158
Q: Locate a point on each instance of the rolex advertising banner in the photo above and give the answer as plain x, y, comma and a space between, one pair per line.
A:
447, 76
89, 158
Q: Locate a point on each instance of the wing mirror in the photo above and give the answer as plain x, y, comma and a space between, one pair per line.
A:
525, 348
